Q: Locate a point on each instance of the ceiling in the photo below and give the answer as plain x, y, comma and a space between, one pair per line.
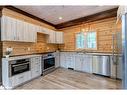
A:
52, 13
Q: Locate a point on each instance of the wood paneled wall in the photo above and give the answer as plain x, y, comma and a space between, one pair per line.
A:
20, 48
104, 29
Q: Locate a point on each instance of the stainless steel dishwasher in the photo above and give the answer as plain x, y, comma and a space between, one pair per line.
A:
101, 65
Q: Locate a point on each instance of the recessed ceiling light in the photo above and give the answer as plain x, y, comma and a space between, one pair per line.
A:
60, 18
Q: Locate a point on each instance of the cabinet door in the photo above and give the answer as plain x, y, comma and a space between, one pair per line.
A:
51, 37
57, 59
78, 62
8, 28
36, 66
95, 64
31, 32
62, 60
87, 63
17, 80
35, 72
59, 38
20, 31
70, 60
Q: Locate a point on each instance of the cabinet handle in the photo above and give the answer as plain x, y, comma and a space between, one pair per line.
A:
20, 77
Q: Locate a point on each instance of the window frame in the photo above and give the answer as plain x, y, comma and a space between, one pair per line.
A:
86, 48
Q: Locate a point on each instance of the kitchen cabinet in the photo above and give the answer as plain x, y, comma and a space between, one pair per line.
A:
83, 62
95, 64
67, 60
31, 32
17, 30
87, 63
59, 37
70, 60
51, 38
57, 59
78, 62
19, 79
8, 29
63, 60
36, 67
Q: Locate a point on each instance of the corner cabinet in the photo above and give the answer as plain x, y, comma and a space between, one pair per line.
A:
54, 37
51, 37
17, 30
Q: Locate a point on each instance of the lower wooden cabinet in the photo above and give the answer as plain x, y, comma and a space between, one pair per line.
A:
19, 79
87, 64
36, 67
10, 82
62, 60
57, 59
77, 61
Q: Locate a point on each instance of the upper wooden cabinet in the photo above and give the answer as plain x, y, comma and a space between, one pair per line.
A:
53, 37
17, 30
59, 37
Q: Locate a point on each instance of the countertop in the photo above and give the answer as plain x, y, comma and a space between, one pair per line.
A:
21, 57
16, 57
94, 53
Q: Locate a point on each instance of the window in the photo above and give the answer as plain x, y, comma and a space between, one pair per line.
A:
86, 40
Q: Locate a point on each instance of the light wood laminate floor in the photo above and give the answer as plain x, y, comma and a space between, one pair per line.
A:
69, 79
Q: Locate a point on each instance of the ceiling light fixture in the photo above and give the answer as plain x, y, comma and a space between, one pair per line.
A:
60, 18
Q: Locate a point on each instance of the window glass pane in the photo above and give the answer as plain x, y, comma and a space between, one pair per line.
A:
91, 40
80, 40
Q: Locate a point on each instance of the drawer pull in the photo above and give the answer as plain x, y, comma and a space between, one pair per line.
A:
20, 77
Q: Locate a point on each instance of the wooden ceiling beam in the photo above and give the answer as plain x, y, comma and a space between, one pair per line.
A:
98, 16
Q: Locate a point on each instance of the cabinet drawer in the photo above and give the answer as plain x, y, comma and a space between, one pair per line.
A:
35, 73
17, 80
21, 78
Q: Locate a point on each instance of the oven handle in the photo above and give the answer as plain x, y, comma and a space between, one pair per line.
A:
20, 64
48, 58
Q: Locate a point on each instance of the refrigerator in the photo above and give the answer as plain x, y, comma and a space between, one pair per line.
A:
116, 58
124, 51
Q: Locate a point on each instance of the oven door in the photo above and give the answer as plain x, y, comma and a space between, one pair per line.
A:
49, 62
19, 68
